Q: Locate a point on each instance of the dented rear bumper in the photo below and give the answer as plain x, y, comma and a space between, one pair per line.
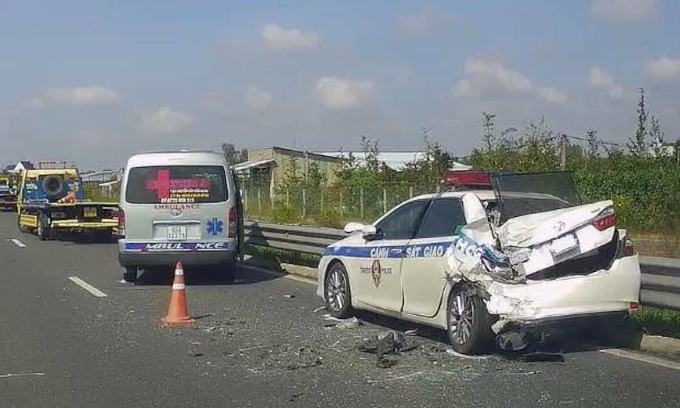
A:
540, 303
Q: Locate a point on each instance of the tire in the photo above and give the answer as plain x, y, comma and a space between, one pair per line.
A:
19, 227
472, 334
228, 270
130, 274
42, 232
337, 291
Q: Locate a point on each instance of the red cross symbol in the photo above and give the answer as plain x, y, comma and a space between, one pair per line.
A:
161, 184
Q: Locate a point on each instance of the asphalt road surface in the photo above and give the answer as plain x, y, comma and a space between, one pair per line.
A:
258, 342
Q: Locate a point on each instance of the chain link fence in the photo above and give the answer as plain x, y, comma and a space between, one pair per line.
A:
327, 206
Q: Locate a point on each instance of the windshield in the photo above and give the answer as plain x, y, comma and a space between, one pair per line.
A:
520, 194
176, 184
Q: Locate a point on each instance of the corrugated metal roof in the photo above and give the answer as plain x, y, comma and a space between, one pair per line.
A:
394, 160
251, 164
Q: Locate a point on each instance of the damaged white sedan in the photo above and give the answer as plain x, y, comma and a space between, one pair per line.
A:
499, 254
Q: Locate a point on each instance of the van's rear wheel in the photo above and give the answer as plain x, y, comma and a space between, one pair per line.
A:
130, 274
226, 271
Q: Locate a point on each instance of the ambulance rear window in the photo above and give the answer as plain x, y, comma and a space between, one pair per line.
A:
181, 184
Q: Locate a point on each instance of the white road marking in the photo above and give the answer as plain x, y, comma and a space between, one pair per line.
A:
87, 286
10, 375
643, 358
18, 243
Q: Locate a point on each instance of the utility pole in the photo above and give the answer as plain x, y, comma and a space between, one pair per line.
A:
564, 152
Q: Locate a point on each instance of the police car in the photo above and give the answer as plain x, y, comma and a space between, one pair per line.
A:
497, 254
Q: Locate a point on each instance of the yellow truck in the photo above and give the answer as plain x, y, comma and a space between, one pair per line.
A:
8, 193
52, 200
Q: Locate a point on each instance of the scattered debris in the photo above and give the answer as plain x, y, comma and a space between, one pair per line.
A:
390, 342
318, 309
453, 352
195, 355
306, 358
403, 377
513, 341
542, 357
526, 372
289, 296
251, 348
350, 323
412, 332
295, 396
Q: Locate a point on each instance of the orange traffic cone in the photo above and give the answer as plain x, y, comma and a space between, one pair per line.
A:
177, 309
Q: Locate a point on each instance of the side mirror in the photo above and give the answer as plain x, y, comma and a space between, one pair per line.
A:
352, 227
369, 231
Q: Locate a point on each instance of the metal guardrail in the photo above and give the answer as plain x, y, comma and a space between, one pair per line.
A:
660, 285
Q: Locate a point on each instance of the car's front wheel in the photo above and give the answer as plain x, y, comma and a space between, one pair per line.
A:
468, 321
337, 293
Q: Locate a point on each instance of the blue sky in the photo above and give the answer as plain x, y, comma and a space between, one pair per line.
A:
95, 81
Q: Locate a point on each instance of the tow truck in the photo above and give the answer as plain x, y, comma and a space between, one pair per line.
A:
8, 194
51, 199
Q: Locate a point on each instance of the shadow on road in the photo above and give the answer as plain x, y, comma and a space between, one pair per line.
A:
86, 238
202, 276
565, 341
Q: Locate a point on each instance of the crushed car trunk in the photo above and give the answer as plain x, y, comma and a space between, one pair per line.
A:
541, 254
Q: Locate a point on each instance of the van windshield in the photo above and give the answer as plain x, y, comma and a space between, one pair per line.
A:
176, 184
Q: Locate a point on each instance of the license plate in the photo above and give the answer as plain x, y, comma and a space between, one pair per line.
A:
177, 232
90, 212
563, 244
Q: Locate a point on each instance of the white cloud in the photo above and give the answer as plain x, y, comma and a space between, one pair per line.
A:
490, 76
625, 11
257, 98
165, 121
417, 23
599, 78
552, 95
82, 96
663, 69
341, 93
34, 103
278, 38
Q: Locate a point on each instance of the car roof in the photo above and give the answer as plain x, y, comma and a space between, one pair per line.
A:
48, 172
484, 195
178, 157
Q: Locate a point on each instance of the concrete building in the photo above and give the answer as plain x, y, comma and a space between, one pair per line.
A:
267, 167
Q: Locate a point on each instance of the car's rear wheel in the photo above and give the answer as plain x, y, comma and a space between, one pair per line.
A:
337, 292
468, 321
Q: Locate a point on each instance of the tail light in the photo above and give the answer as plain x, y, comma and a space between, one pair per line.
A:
232, 222
121, 222
633, 306
606, 219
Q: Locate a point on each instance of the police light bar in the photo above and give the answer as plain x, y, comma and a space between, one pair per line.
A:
468, 178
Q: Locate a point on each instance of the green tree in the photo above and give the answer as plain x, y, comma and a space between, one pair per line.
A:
638, 145
233, 156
